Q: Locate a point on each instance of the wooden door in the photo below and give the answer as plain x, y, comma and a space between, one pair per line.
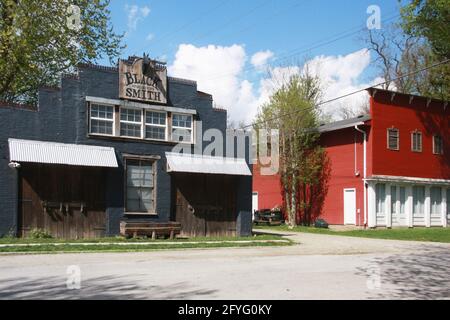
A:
205, 205
51, 196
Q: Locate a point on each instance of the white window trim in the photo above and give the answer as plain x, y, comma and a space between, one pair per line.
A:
412, 141
398, 139
441, 146
113, 121
184, 128
166, 126
131, 122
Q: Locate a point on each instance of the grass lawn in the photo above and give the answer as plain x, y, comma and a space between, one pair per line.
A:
119, 244
412, 234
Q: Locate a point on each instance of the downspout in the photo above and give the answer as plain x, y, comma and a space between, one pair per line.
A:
365, 173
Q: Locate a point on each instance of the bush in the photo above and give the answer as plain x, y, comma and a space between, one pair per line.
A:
39, 234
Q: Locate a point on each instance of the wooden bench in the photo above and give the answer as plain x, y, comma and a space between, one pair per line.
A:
150, 229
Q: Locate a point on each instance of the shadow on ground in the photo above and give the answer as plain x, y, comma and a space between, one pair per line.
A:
421, 275
101, 288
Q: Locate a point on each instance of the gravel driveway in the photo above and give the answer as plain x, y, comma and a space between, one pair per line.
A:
319, 267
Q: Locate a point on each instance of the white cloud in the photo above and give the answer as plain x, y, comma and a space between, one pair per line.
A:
219, 71
260, 58
135, 14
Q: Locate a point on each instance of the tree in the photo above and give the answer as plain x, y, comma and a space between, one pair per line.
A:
429, 19
398, 54
293, 111
39, 40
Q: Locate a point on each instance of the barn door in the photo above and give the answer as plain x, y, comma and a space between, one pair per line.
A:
205, 205
349, 206
51, 197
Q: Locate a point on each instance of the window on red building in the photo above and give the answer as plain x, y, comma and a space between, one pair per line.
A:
438, 146
393, 139
416, 141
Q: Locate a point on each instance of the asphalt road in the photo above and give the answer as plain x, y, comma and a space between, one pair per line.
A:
318, 267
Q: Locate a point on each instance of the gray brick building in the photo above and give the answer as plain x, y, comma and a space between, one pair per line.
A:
94, 153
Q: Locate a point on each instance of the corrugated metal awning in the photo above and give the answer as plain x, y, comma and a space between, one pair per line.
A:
193, 163
61, 153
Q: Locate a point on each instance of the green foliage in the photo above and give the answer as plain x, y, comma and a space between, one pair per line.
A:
293, 111
39, 40
39, 234
429, 19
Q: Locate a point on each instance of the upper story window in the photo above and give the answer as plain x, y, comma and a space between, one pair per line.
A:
438, 145
140, 123
156, 125
182, 125
393, 138
101, 119
131, 122
416, 141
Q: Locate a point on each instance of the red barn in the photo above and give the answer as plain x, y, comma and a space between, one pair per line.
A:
388, 168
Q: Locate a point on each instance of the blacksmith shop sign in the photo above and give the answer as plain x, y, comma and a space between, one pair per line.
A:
143, 79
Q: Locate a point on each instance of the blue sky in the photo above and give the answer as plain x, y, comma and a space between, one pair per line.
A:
227, 45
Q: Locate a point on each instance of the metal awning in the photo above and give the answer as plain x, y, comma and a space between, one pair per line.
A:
61, 153
193, 163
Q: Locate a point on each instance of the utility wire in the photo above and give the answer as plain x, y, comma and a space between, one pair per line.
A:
315, 45
349, 94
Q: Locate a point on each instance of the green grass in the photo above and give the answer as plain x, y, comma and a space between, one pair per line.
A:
411, 234
61, 245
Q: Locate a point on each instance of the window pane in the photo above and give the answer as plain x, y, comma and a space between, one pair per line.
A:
380, 194
181, 135
181, 120
393, 199
130, 130
436, 200
402, 199
152, 117
393, 139
102, 111
130, 115
158, 133
448, 201
438, 145
417, 141
418, 200
102, 127
140, 183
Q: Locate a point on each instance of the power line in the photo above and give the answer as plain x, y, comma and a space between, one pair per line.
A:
349, 94
315, 45
233, 20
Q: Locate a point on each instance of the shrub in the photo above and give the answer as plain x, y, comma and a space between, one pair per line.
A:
39, 234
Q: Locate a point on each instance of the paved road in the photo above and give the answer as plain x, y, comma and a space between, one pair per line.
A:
318, 267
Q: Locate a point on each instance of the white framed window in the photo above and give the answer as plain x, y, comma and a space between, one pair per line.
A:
182, 128
435, 200
156, 125
131, 123
140, 186
101, 119
438, 145
380, 197
402, 195
416, 141
394, 199
393, 138
418, 200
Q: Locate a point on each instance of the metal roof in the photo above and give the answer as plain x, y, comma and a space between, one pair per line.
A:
61, 153
347, 123
193, 163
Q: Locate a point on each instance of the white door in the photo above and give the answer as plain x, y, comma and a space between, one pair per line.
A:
349, 206
254, 202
